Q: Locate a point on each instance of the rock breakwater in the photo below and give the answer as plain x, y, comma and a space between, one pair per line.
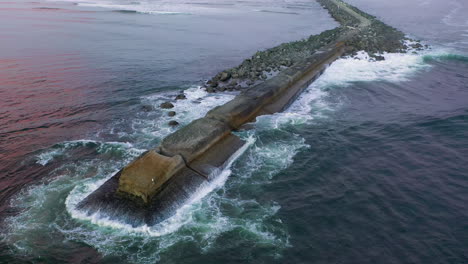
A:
143, 193
373, 36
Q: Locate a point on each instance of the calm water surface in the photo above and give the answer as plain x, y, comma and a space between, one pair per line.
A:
370, 165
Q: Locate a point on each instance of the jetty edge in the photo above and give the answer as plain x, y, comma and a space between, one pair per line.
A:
153, 186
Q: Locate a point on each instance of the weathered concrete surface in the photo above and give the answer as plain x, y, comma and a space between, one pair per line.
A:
194, 139
152, 170
160, 180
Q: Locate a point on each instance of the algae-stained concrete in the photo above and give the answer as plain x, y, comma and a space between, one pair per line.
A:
152, 170
163, 178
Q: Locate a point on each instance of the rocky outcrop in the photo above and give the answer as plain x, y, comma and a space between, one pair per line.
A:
266, 64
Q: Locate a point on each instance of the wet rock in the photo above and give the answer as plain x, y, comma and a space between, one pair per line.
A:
173, 123
417, 46
379, 58
147, 108
210, 89
171, 113
214, 84
181, 97
166, 105
224, 76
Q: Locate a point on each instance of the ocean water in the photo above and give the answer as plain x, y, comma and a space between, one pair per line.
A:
369, 165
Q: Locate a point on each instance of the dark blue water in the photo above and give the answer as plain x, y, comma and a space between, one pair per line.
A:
368, 166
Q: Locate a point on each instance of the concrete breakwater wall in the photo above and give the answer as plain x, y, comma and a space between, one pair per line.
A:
149, 189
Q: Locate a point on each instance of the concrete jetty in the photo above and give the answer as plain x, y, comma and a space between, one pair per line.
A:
149, 189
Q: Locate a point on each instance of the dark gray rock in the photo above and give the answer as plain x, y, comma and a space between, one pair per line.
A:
379, 58
166, 105
147, 108
214, 84
173, 123
171, 113
181, 97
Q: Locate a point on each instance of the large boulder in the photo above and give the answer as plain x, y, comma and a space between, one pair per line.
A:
166, 105
144, 176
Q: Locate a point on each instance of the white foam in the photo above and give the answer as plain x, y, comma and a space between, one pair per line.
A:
47, 156
395, 68
197, 104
